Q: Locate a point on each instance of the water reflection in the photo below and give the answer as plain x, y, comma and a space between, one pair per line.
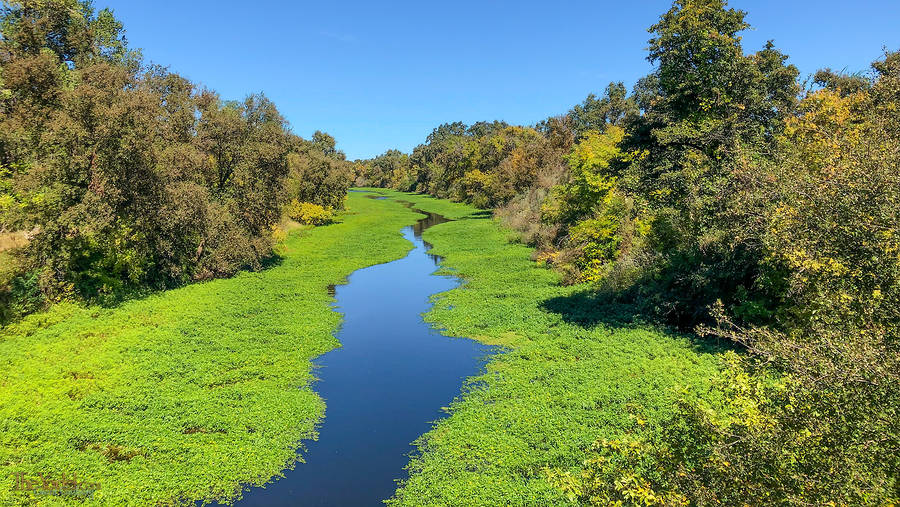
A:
430, 220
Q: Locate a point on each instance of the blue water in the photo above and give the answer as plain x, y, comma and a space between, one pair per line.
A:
383, 388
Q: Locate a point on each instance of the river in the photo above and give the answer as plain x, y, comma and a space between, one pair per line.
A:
383, 388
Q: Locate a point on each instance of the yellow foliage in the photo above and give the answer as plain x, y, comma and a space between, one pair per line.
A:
309, 213
597, 150
547, 257
278, 234
826, 129
476, 179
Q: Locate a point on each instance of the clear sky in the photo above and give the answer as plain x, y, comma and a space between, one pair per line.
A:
381, 74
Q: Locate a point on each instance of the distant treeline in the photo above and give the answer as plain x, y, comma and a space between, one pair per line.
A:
723, 196
118, 176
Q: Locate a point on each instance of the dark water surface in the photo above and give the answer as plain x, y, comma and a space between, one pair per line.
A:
383, 388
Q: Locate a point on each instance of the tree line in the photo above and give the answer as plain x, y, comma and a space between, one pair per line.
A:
720, 195
119, 176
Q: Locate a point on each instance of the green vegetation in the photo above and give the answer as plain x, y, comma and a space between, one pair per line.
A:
571, 374
125, 177
723, 198
186, 393
720, 199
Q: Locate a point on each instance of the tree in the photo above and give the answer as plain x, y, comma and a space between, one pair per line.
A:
327, 145
700, 151
597, 114
810, 412
126, 178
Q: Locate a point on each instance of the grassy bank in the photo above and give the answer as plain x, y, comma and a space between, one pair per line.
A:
186, 393
573, 374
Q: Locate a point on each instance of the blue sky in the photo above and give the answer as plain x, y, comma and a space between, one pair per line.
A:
380, 75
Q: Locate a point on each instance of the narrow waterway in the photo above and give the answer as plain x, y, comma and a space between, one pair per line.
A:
384, 386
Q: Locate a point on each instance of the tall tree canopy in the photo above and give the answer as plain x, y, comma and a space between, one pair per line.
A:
124, 176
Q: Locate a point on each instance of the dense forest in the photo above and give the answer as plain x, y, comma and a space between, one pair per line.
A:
723, 196
118, 176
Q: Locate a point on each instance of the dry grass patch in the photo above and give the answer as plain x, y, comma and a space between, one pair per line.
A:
13, 240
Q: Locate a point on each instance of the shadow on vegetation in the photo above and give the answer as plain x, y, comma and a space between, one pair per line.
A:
273, 261
483, 214
111, 301
589, 309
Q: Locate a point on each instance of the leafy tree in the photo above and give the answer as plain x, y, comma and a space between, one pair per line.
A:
391, 169
326, 143
486, 164
711, 117
840, 82
596, 114
127, 178
598, 220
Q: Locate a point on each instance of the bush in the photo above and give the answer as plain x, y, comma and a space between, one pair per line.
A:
763, 438
308, 213
19, 290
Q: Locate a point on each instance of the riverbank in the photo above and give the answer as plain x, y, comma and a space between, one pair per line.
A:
187, 393
574, 373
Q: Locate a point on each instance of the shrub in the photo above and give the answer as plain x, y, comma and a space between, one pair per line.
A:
308, 213
764, 438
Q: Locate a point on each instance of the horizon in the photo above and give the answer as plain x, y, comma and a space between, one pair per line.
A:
383, 77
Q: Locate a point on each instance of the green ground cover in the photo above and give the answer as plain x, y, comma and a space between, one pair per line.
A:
186, 393
573, 373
